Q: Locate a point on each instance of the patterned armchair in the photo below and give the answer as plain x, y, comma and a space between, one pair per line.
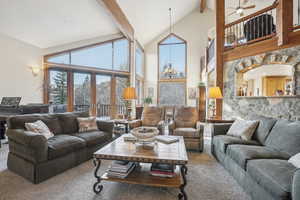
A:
152, 116
186, 124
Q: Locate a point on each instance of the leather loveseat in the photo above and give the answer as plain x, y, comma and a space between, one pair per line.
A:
261, 165
35, 158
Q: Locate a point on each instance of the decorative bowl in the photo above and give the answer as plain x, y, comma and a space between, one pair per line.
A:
145, 134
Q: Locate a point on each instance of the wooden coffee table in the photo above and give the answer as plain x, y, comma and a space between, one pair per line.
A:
174, 153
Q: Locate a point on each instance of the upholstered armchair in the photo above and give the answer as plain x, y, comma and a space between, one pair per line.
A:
152, 116
186, 124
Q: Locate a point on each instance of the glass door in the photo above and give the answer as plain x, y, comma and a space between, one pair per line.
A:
82, 92
103, 96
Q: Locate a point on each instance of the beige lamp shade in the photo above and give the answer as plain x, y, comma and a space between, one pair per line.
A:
129, 93
215, 93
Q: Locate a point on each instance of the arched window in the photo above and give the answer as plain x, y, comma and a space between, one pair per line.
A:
172, 65
172, 57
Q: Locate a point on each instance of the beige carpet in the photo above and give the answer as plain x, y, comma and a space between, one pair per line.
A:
207, 180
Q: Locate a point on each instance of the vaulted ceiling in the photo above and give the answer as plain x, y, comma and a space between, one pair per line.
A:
151, 17
46, 23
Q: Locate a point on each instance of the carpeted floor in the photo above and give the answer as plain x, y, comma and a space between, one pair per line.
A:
207, 180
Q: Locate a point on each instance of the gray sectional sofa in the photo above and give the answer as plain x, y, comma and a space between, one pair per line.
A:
35, 158
261, 166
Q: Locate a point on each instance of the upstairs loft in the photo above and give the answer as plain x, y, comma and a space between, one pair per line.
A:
274, 27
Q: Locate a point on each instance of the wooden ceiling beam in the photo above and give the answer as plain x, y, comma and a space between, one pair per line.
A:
119, 17
202, 5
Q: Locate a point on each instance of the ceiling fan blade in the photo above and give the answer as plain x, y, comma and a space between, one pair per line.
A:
249, 7
231, 13
245, 2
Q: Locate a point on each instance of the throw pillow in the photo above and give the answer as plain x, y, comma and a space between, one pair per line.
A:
87, 124
295, 160
39, 127
243, 129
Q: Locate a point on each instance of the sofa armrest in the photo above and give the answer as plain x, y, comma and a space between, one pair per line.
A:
135, 123
296, 185
200, 126
28, 145
106, 126
220, 129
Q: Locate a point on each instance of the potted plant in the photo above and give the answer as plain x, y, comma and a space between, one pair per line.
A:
147, 101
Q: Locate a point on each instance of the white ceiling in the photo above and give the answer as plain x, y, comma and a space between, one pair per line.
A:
47, 23
151, 17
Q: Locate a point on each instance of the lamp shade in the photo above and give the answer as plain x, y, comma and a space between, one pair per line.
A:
129, 93
215, 93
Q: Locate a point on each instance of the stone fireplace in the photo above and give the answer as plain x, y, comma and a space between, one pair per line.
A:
284, 106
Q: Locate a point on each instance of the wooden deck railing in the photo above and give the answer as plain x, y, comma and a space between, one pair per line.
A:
103, 110
258, 26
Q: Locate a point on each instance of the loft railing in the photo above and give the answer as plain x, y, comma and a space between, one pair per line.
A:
258, 26
297, 15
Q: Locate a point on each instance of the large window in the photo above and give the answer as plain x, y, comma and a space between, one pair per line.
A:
99, 56
91, 78
82, 91
58, 96
113, 55
172, 71
172, 58
139, 65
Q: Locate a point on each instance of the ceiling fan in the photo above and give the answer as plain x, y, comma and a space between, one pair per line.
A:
239, 10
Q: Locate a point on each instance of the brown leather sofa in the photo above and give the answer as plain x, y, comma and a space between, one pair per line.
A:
186, 123
152, 116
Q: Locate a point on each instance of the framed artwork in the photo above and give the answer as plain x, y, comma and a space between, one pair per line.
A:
192, 92
151, 92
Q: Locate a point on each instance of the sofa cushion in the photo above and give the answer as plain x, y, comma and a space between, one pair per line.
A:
221, 142
264, 128
69, 122
61, 145
187, 132
93, 138
52, 122
186, 117
241, 154
273, 175
152, 115
243, 129
285, 137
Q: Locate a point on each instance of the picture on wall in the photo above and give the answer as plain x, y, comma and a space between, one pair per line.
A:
192, 93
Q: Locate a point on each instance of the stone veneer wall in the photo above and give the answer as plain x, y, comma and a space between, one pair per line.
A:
279, 107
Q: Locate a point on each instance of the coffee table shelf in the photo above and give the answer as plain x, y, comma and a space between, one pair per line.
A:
141, 175
120, 149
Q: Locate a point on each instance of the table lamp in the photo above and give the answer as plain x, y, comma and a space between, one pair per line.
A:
214, 93
129, 94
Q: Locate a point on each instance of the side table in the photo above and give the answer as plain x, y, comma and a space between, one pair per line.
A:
123, 122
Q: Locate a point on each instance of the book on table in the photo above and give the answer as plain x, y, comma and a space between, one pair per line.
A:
120, 169
162, 170
167, 139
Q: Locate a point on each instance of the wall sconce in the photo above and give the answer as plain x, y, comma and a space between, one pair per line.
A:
35, 70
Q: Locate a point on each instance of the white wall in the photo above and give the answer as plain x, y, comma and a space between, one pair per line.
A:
16, 78
193, 28
81, 43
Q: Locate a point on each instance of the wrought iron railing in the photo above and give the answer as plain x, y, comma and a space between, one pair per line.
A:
258, 26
